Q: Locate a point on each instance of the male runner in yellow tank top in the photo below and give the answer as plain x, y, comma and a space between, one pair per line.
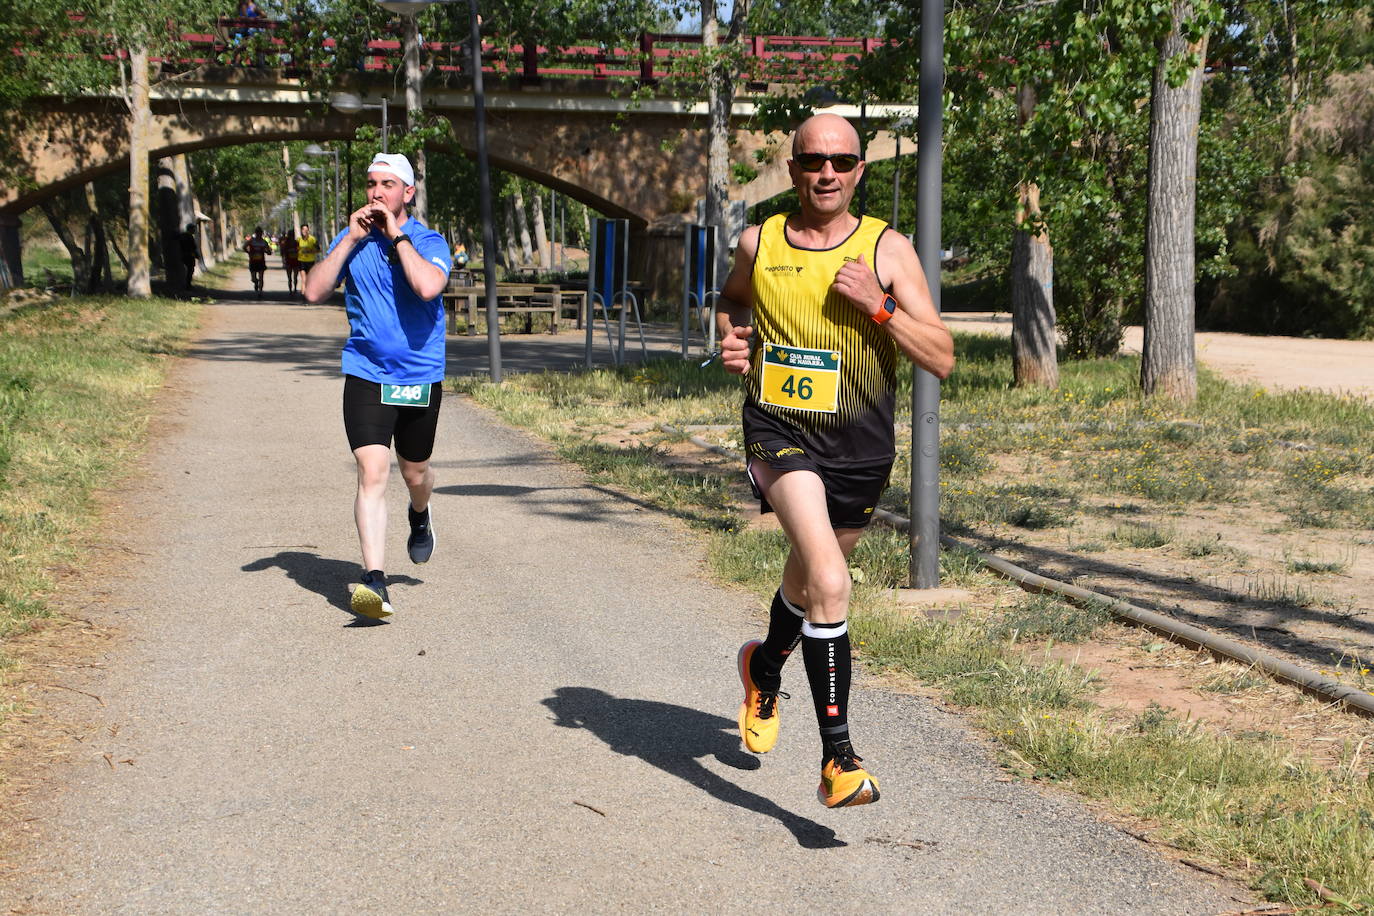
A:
813, 315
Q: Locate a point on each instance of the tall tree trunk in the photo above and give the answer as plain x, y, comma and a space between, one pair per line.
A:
223, 243
719, 100
101, 277
169, 225
1035, 360
140, 126
57, 210
415, 116
522, 226
186, 204
512, 254
541, 237
1168, 362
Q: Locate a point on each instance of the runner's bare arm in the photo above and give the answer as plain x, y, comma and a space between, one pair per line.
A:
915, 326
324, 276
734, 308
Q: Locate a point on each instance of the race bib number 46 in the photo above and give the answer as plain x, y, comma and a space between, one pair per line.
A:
405, 395
800, 379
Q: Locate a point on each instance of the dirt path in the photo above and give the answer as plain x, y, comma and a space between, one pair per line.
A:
547, 723
1337, 366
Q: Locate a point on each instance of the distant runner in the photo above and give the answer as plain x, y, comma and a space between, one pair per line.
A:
258, 248
290, 258
309, 249
816, 333
394, 272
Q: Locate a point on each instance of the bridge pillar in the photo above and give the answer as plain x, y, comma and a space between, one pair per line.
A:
11, 253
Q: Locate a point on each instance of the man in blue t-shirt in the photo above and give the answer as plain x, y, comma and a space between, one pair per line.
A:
394, 271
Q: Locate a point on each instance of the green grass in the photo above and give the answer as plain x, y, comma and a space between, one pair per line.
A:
1096, 435
1245, 801
1041, 617
76, 377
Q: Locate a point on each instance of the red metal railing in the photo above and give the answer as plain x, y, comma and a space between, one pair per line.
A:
256, 43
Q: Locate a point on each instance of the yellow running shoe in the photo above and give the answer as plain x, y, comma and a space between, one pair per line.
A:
369, 598
758, 714
843, 782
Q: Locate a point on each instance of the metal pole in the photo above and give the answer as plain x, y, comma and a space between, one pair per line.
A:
479, 117
337, 214
896, 182
863, 153
348, 175
384, 124
925, 393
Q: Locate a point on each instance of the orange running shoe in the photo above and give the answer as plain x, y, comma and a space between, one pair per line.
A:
758, 714
843, 782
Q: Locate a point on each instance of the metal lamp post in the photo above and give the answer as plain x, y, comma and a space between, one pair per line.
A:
925, 392
308, 171
350, 103
315, 149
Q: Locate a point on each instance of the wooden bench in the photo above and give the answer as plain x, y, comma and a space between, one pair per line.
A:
526, 299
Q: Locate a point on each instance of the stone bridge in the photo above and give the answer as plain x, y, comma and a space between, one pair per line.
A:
639, 159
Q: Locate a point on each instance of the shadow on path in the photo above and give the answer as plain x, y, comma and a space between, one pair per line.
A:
325, 577
672, 738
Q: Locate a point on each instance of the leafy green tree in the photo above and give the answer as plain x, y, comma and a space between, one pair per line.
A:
73, 46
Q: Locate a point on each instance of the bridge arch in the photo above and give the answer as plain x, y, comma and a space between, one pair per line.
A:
642, 161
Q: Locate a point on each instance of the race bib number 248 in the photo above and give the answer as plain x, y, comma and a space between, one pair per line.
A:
405, 395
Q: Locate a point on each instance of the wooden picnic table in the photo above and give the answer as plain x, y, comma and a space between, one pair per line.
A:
526, 299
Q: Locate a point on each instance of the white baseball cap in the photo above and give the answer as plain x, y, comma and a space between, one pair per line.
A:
396, 164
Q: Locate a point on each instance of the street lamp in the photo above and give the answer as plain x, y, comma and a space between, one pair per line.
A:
302, 183
350, 103
308, 172
315, 149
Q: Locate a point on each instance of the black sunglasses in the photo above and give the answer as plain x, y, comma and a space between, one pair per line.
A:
814, 162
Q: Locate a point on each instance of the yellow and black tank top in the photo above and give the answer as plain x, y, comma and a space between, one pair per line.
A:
823, 374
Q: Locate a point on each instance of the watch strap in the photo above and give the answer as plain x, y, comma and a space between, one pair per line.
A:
887, 310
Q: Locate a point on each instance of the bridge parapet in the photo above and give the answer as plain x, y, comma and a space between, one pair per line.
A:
650, 57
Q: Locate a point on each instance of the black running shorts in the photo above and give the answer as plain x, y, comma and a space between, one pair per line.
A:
370, 422
851, 492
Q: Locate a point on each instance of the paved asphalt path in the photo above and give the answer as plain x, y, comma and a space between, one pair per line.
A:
546, 724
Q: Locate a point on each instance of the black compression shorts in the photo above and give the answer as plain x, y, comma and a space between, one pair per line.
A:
370, 422
851, 491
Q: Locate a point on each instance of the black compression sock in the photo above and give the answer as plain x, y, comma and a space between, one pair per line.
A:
784, 629
825, 649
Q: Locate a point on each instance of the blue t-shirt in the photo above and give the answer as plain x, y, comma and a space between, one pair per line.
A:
394, 336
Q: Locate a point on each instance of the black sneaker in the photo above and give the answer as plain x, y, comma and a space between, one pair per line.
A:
420, 544
370, 598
